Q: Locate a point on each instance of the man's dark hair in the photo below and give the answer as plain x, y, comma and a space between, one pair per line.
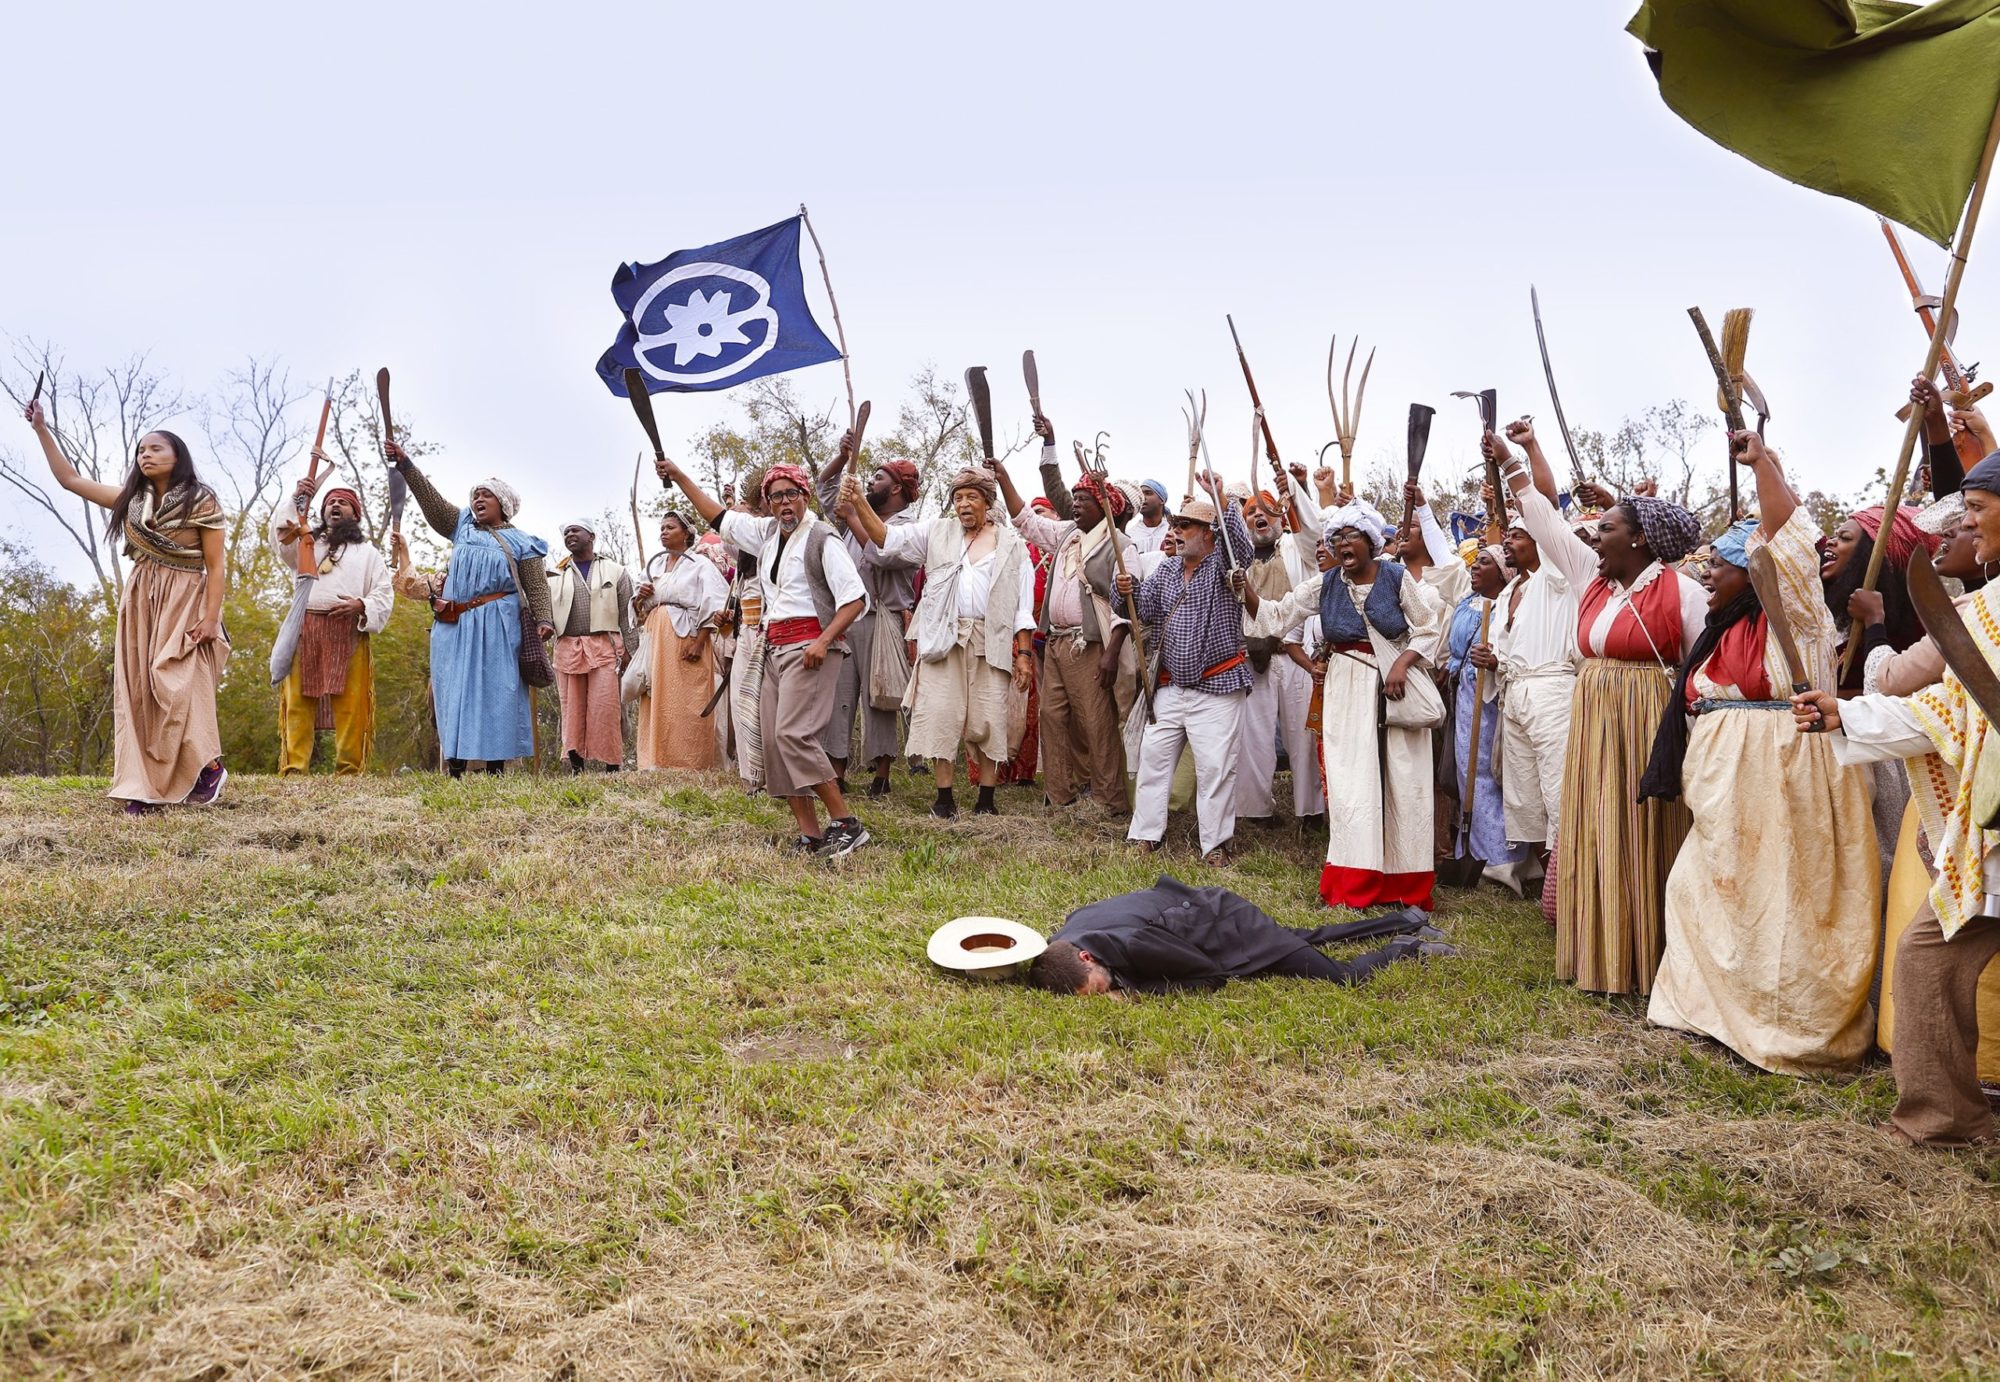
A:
1059, 969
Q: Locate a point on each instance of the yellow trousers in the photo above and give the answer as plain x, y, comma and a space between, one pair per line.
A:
353, 718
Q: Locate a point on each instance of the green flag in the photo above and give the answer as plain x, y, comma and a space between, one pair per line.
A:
1880, 103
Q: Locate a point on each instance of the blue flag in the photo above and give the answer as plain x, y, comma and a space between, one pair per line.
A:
715, 317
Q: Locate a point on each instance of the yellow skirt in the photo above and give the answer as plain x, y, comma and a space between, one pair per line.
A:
1612, 865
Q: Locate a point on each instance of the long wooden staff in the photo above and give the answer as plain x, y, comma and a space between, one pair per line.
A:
1947, 305
1727, 394
638, 529
1270, 442
839, 331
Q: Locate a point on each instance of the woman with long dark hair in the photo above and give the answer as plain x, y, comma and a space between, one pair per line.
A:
171, 647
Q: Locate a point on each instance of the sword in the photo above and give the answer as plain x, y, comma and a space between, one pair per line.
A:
1962, 655
1549, 373
1488, 401
1764, 580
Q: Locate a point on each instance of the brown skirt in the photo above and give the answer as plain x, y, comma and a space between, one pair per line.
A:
1611, 872
672, 733
163, 687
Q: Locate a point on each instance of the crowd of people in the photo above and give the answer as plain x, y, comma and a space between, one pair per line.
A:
1592, 707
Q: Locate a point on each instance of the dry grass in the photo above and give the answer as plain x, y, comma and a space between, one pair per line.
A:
550, 1080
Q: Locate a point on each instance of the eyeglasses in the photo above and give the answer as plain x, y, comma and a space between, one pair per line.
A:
778, 495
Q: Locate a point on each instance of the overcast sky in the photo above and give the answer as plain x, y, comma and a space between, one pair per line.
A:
447, 191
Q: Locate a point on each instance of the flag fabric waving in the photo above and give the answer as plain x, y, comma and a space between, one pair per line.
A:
1881, 103
715, 317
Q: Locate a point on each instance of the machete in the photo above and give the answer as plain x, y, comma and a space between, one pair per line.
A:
399, 488
36, 397
1549, 373
642, 404
1034, 378
1764, 580
1962, 655
1488, 401
981, 399
1420, 441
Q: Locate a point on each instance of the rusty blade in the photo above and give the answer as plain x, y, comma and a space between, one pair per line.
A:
1764, 580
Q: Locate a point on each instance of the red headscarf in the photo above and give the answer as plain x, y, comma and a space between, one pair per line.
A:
904, 473
796, 474
1904, 534
1041, 504
345, 492
1109, 498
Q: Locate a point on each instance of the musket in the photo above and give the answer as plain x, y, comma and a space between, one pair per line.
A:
1549, 373
1726, 394
1346, 410
1270, 442
1488, 402
285, 647
1961, 390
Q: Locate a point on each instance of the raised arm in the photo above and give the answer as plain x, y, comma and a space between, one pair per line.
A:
1775, 500
860, 515
66, 475
438, 511
1522, 433
1552, 534
711, 512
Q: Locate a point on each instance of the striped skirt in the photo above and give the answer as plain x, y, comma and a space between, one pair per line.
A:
1611, 872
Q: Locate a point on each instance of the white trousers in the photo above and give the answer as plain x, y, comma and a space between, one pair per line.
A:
1208, 725
1534, 735
1279, 700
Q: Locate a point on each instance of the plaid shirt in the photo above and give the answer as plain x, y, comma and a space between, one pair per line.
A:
1207, 626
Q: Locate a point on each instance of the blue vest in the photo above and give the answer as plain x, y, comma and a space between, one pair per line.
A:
1340, 621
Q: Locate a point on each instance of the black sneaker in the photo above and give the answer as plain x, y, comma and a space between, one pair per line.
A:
808, 844
843, 837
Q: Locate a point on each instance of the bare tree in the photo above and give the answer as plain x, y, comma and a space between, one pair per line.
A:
255, 435
98, 421
1675, 428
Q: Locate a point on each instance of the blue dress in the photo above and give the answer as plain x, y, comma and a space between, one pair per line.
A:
482, 704
1489, 819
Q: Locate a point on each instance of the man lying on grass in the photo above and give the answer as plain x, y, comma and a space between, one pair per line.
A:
1170, 936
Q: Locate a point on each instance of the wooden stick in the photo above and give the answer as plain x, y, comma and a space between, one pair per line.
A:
839, 332
638, 529
1915, 426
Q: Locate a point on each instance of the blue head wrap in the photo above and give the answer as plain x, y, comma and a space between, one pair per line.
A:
1734, 544
1156, 487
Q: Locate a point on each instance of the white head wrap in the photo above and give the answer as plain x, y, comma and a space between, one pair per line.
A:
1945, 515
509, 499
1359, 515
1238, 490
589, 525
1131, 493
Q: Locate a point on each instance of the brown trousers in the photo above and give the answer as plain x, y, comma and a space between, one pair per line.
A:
1079, 725
1938, 1098
792, 708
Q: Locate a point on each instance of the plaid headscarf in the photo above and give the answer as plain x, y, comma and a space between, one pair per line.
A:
1109, 498
1670, 530
796, 474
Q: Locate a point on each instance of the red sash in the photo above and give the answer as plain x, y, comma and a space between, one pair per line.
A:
782, 633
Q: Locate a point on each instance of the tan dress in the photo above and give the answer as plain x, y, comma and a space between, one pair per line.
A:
672, 732
163, 685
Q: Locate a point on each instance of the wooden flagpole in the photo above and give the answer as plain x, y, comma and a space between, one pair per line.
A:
1915, 426
839, 332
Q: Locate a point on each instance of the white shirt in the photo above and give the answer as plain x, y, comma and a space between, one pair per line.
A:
1537, 636
1144, 538
912, 543
360, 572
692, 590
787, 590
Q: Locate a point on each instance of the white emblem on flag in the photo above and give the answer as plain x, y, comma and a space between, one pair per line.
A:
702, 325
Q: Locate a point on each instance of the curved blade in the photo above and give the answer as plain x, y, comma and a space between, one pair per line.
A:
1033, 377
981, 398
1420, 436
1764, 580
1960, 650
1549, 373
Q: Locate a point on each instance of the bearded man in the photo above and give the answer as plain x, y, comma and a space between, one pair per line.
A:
332, 681
595, 638
869, 680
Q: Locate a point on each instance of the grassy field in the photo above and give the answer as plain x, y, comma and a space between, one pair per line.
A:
583, 1079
